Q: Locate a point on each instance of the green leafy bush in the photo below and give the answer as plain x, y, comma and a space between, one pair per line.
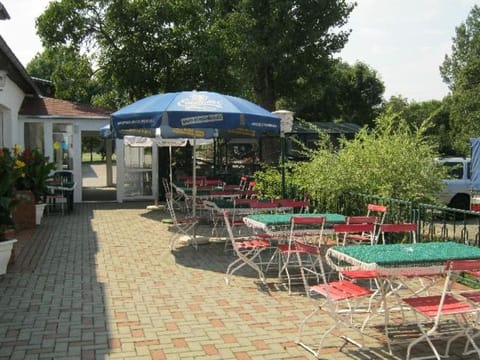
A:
35, 172
392, 160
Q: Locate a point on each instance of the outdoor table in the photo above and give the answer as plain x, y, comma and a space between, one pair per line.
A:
400, 257
266, 222
392, 261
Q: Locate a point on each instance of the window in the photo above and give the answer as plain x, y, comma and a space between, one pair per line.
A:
33, 136
455, 170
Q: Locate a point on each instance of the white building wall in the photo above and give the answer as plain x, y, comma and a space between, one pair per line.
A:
75, 148
11, 98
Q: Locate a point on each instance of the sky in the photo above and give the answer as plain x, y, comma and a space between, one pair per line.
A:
404, 41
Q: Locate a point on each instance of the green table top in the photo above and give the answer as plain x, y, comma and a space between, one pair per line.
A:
404, 254
284, 219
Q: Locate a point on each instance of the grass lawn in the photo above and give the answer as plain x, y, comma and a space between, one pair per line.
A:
94, 158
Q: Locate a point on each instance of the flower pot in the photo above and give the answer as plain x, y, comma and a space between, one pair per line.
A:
5, 253
24, 211
39, 209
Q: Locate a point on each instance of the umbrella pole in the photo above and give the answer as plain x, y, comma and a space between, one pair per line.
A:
194, 186
170, 173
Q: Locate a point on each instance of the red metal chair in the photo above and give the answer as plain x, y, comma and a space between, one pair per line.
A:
247, 251
407, 231
436, 308
345, 232
241, 186
340, 301
380, 211
309, 229
313, 267
297, 206
363, 237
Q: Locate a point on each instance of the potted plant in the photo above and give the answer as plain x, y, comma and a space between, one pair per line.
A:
34, 178
10, 171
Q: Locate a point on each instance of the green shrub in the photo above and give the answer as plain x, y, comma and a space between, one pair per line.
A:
393, 160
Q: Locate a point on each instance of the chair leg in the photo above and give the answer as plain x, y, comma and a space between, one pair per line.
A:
242, 261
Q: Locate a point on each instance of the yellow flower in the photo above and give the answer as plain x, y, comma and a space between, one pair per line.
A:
17, 148
19, 164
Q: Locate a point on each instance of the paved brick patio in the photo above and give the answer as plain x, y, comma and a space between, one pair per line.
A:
101, 283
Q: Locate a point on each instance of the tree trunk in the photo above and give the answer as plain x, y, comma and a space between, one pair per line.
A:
264, 88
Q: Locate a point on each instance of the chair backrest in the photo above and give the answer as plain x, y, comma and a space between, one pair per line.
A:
256, 204
379, 210
62, 176
343, 231
231, 237
171, 210
237, 202
453, 269
243, 183
307, 248
463, 265
361, 219
407, 229
298, 206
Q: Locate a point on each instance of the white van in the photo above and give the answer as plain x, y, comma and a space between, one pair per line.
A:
457, 191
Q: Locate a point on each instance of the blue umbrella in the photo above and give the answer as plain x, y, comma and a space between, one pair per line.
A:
105, 132
194, 115
178, 114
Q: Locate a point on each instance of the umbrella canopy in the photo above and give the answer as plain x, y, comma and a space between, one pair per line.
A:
105, 132
194, 114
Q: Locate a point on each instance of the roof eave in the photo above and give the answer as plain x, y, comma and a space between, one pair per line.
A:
16, 71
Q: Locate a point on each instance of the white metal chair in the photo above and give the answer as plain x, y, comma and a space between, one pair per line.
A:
177, 198
340, 298
380, 212
183, 226
309, 229
355, 232
436, 308
364, 237
406, 231
313, 267
247, 251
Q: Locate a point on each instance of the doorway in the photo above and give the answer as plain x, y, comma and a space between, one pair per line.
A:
96, 186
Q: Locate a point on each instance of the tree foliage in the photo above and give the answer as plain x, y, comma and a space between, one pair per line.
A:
339, 93
263, 50
461, 71
70, 72
435, 113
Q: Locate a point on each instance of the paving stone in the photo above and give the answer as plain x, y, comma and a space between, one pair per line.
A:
101, 283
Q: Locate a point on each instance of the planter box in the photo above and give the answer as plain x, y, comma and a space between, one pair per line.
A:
5, 253
24, 211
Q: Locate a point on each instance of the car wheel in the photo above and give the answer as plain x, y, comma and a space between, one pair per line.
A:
461, 202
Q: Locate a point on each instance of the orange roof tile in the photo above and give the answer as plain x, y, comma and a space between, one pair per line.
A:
56, 107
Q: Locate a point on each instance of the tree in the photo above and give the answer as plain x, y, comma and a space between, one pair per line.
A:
416, 114
461, 71
279, 44
341, 93
70, 72
392, 160
258, 49
89, 144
